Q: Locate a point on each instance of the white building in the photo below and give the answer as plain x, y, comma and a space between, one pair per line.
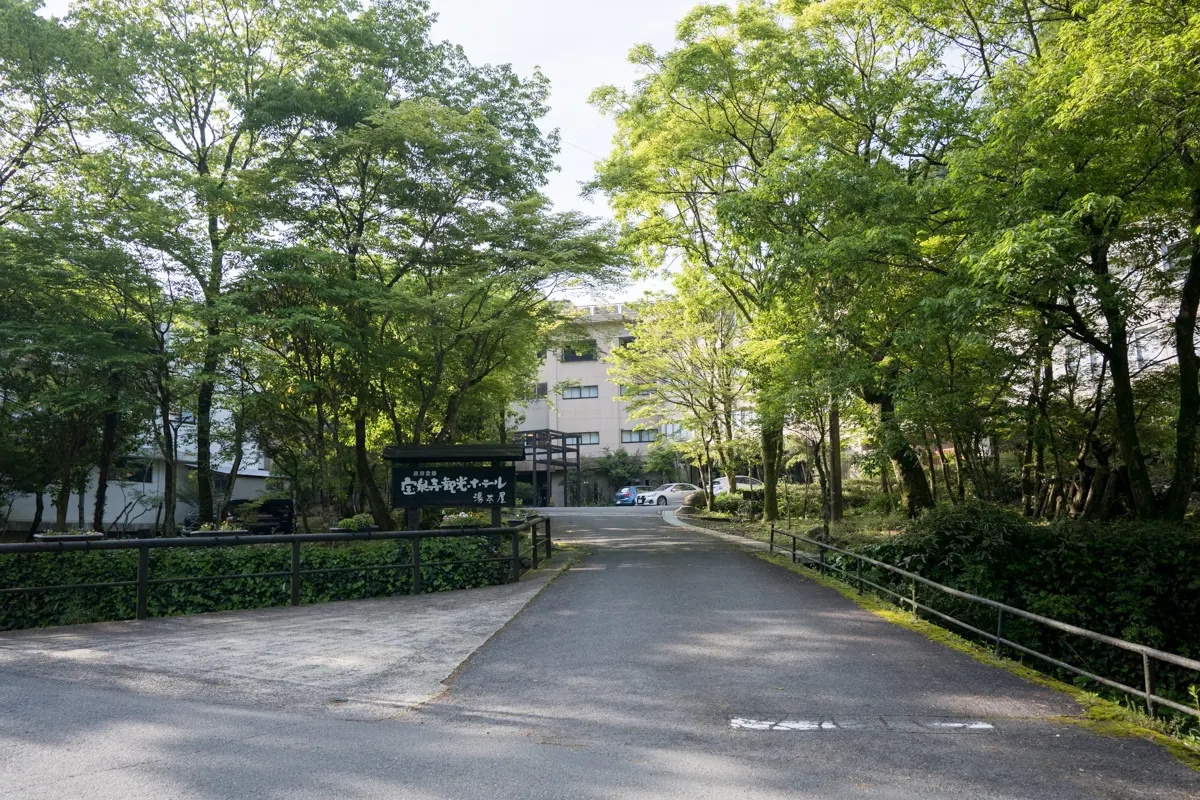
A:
133, 501
574, 396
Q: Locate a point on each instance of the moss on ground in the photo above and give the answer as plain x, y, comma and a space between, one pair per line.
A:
1099, 715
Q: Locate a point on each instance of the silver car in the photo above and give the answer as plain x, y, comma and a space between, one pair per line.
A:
667, 493
744, 483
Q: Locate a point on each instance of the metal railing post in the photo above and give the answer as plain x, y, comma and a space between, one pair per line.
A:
999, 632
548, 554
295, 573
793, 549
860, 583
1148, 672
772, 550
416, 565
821, 550
143, 582
533, 532
914, 599
516, 558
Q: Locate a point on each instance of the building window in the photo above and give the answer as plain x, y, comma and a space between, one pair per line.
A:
584, 351
625, 341
540, 390
580, 392
672, 430
584, 438
646, 435
1143, 339
131, 471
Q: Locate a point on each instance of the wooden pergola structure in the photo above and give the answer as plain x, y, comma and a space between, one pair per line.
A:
554, 450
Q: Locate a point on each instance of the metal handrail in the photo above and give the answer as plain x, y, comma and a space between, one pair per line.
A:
295, 574
1145, 651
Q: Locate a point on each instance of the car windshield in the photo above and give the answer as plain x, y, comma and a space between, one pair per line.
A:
625, 490
666, 487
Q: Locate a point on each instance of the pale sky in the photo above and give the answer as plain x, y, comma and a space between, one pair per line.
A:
578, 46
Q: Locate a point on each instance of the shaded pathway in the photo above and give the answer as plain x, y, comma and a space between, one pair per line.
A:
620, 680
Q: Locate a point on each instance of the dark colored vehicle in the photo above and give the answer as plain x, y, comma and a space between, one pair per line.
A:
273, 516
626, 496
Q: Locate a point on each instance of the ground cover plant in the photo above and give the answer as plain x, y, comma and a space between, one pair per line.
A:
64, 607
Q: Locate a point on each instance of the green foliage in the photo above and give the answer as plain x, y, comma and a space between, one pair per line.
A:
524, 493
345, 248
663, 459
61, 607
1132, 580
621, 467
358, 522
978, 219
751, 504
696, 500
727, 503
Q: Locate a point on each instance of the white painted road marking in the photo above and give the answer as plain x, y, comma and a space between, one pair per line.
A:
900, 724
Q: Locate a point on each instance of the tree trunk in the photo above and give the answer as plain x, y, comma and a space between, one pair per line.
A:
204, 403
239, 435
80, 491
772, 445
937, 439
933, 492
366, 479
961, 485
1124, 406
1184, 473
39, 508
108, 441
826, 504
169, 466
60, 505
835, 460
914, 489
1029, 485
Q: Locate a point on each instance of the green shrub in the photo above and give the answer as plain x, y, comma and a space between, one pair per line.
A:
524, 493
727, 503
61, 607
696, 500
1138, 581
359, 522
751, 504
859, 493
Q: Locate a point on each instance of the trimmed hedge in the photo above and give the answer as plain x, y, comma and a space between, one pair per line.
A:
68, 607
1138, 581
727, 503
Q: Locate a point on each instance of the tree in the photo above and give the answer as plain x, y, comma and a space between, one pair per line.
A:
684, 366
176, 107
621, 467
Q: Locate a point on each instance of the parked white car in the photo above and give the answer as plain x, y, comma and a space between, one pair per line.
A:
744, 483
667, 493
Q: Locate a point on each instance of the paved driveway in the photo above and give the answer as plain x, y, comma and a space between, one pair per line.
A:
667, 664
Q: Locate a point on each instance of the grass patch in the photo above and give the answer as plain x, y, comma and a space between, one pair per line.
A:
1099, 715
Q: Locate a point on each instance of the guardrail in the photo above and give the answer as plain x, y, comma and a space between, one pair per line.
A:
143, 580
1149, 654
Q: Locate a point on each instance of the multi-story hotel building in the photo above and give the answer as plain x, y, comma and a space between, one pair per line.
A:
575, 397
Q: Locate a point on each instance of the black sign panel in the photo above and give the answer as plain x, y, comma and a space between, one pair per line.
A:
421, 487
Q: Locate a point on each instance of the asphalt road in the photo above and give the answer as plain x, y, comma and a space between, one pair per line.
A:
667, 664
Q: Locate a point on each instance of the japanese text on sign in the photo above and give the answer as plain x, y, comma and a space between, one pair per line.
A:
453, 486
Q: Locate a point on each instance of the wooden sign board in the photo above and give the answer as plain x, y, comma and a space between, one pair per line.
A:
452, 486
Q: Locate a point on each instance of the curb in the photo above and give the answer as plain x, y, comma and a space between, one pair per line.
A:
671, 518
